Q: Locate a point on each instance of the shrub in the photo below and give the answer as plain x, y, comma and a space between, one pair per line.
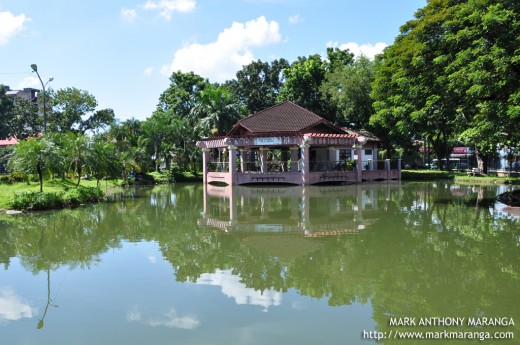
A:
81, 195
35, 201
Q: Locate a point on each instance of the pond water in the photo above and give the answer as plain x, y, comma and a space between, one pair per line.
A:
187, 264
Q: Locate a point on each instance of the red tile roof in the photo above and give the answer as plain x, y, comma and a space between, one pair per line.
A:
286, 117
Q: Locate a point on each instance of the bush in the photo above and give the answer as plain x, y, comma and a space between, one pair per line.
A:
81, 195
187, 177
35, 201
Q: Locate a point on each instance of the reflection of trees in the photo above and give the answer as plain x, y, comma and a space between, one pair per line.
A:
427, 253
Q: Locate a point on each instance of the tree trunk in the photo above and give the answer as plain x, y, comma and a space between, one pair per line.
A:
79, 175
40, 176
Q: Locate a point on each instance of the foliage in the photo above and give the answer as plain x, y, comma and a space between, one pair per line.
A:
34, 156
75, 110
303, 80
258, 84
6, 106
35, 201
217, 110
453, 70
349, 87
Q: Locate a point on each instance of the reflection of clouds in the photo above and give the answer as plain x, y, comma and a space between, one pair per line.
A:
232, 287
172, 320
152, 259
298, 306
12, 307
169, 319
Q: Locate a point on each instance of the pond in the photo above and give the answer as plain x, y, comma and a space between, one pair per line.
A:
189, 264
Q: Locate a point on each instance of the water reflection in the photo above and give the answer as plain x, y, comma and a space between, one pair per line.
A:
13, 307
312, 211
415, 250
233, 288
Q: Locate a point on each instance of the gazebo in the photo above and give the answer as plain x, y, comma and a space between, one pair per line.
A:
289, 144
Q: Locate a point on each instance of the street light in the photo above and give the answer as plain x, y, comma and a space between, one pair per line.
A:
35, 69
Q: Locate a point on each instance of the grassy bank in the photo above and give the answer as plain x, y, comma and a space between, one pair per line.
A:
433, 175
54, 189
59, 193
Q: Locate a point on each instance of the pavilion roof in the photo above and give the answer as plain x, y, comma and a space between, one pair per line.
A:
286, 117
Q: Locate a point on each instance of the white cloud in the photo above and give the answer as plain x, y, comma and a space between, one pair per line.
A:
219, 60
148, 71
368, 49
129, 14
10, 25
295, 19
167, 7
12, 307
32, 81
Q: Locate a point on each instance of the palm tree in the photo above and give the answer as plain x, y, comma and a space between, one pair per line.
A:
77, 147
34, 156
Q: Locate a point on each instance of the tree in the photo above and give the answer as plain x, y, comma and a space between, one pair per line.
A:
454, 74
258, 84
182, 94
34, 156
484, 70
77, 150
101, 158
6, 107
303, 80
217, 110
349, 87
100, 120
25, 121
70, 106
411, 90
75, 110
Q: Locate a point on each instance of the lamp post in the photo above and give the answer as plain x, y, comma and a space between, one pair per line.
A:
34, 67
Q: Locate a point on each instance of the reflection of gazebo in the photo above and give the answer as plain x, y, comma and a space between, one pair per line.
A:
313, 211
289, 144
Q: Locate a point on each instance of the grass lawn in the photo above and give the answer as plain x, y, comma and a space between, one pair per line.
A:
7, 191
430, 175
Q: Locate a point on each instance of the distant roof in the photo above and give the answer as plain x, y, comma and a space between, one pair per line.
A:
286, 117
8, 142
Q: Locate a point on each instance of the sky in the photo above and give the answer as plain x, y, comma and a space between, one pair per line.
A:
124, 51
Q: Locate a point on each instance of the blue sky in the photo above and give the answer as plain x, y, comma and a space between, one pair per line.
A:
123, 52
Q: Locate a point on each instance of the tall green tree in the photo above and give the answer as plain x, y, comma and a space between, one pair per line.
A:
258, 84
411, 90
303, 80
349, 87
75, 110
26, 120
182, 94
484, 70
6, 107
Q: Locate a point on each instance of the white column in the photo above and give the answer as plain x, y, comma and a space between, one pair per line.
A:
232, 164
205, 161
305, 163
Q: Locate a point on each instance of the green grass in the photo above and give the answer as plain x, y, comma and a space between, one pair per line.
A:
8, 191
431, 175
